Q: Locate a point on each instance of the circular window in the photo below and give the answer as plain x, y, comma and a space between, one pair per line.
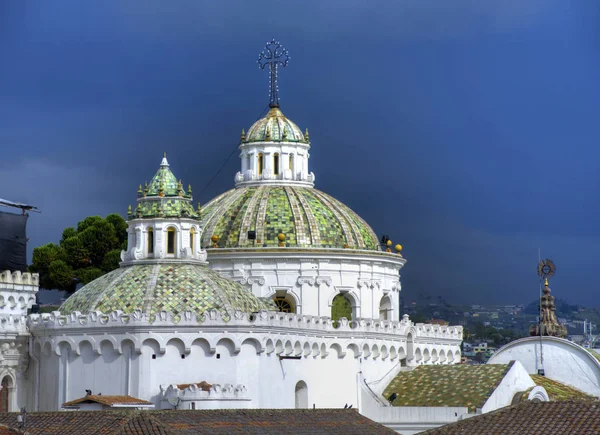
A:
283, 305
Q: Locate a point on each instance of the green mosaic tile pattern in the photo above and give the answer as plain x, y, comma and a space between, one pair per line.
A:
165, 178
164, 197
279, 218
308, 218
452, 385
557, 391
230, 223
172, 287
278, 126
85, 302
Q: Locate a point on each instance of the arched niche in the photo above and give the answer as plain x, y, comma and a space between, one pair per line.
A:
301, 395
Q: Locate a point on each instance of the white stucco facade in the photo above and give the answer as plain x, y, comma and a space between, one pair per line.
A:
563, 361
310, 279
257, 361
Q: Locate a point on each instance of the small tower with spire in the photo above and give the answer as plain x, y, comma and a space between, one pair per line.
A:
165, 225
548, 325
274, 150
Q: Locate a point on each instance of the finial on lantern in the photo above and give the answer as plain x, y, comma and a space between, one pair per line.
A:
273, 55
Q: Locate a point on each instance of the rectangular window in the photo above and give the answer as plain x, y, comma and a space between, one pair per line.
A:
276, 164
150, 242
170, 242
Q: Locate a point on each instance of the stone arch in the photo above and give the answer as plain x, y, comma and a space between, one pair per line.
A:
88, 340
384, 351
270, 347
354, 348
426, 355
457, 355
306, 349
338, 349
229, 345
203, 345
7, 385
434, 355
393, 352
401, 352
366, 351
385, 308
375, 351
315, 349
153, 346
324, 352
113, 341
285, 294
350, 306
442, 356
410, 346
288, 347
418, 355
66, 341
255, 343
278, 347
177, 344
301, 395
297, 348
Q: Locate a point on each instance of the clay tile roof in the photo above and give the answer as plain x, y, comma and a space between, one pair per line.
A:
453, 385
205, 386
188, 422
548, 418
4, 430
107, 400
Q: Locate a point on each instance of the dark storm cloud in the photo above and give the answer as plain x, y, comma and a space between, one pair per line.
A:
465, 130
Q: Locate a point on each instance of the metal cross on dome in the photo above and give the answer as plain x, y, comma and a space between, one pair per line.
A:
275, 56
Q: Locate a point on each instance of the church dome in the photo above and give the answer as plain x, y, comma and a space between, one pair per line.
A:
307, 217
171, 287
274, 127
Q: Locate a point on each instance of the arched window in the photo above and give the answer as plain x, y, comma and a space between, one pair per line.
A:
150, 241
171, 241
341, 307
284, 305
385, 308
5, 394
291, 163
276, 164
301, 395
192, 239
261, 162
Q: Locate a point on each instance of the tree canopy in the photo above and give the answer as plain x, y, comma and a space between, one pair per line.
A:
83, 254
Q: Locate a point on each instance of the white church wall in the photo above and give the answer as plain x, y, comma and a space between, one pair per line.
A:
515, 381
312, 283
244, 351
564, 361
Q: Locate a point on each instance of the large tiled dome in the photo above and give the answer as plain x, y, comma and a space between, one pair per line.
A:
174, 287
274, 127
306, 216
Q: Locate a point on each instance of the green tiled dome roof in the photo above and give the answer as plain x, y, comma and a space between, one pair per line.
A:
164, 197
168, 287
308, 218
274, 127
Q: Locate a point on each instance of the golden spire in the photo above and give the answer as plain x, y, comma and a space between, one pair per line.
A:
546, 283
243, 136
189, 192
306, 136
139, 190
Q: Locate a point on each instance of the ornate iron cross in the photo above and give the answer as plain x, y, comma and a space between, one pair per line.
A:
273, 55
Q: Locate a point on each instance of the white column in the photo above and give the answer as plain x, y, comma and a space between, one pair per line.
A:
244, 158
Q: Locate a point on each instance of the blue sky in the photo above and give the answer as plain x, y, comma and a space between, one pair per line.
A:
465, 130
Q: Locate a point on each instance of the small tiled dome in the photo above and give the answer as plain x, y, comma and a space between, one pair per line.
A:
167, 287
307, 218
274, 127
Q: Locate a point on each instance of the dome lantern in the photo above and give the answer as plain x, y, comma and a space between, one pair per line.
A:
165, 224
